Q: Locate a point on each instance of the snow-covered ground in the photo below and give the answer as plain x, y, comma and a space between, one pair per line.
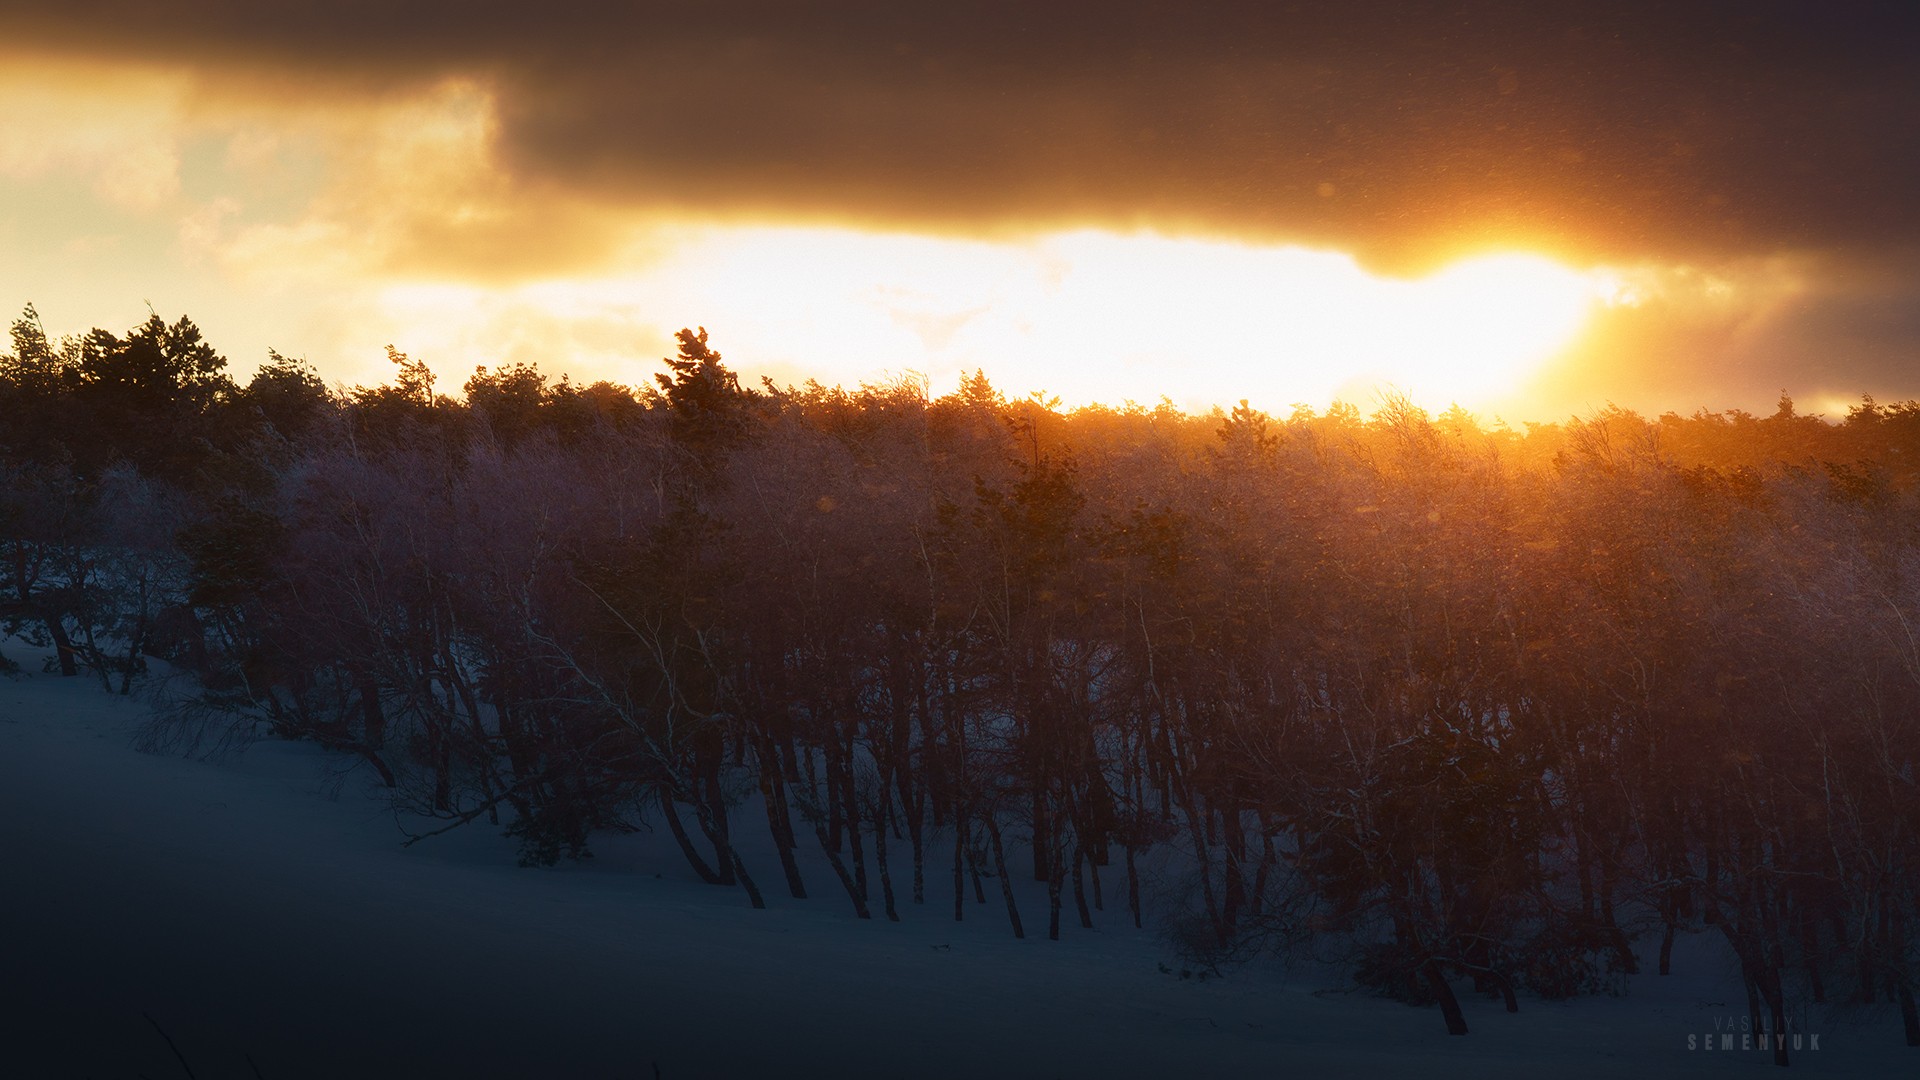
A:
264, 916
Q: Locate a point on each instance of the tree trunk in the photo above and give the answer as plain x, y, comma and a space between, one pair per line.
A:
680, 837
1081, 855
62, 645
1506, 992
1776, 1001
1006, 880
916, 832
1763, 980
1622, 948
854, 891
1234, 884
1056, 878
880, 857
373, 718
835, 827
1202, 852
746, 880
713, 813
1133, 888
1257, 902
1042, 836
442, 743
1810, 947
1903, 982
136, 641
1909, 1015
1449, 1005
772, 793
959, 869
855, 845
1865, 956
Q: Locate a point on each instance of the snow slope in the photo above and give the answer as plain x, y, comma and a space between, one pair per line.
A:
266, 924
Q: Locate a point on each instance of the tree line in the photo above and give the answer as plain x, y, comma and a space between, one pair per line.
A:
1447, 704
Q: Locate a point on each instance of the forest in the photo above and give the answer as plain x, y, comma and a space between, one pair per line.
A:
1457, 707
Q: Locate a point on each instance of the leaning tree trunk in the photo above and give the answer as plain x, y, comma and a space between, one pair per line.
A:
62, 645
680, 837
779, 818
1006, 880
1449, 1004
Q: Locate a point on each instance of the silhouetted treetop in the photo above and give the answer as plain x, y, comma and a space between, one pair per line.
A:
706, 397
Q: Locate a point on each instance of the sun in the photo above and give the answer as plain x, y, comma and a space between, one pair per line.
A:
1477, 330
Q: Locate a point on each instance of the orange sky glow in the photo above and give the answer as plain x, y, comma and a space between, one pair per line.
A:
331, 222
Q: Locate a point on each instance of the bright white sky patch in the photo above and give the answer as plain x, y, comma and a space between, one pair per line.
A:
1089, 316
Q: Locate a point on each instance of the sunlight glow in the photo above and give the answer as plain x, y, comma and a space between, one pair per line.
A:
1090, 316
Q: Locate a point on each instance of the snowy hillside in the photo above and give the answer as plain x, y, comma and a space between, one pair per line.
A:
262, 912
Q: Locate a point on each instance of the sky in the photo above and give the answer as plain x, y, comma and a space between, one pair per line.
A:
1533, 208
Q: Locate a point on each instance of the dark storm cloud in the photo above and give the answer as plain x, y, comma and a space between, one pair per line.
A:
1402, 131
